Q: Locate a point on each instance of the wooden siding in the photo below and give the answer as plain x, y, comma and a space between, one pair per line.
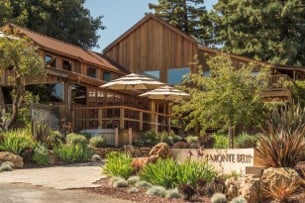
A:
153, 46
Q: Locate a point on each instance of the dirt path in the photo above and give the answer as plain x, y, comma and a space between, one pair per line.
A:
24, 193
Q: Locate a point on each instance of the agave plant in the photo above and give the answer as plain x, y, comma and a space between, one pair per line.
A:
282, 143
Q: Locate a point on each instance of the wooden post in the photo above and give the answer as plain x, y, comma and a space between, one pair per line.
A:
152, 115
68, 101
116, 137
100, 118
130, 136
294, 76
156, 123
141, 121
122, 118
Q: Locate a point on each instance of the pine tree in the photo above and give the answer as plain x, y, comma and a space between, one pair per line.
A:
189, 16
271, 31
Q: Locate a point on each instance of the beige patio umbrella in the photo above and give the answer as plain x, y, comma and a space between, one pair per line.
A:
166, 93
133, 82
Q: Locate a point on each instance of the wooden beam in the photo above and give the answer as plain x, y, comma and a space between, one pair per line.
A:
122, 118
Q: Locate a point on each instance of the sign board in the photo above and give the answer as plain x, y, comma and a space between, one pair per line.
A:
224, 160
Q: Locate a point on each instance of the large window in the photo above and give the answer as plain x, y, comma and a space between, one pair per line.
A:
79, 95
107, 76
48, 92
176, 75
50, 60
66, 65
91, 72
153, 74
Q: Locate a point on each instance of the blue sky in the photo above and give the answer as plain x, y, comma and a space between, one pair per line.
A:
120, 15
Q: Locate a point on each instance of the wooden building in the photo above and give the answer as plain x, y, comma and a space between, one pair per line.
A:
156, 48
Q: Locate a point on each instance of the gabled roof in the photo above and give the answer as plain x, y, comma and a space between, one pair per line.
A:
65, 49
140, 23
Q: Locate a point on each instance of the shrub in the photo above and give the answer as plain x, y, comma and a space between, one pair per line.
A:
220, 141
281, 145
190, 171
172, 194
239, 199
118, 164
132, 180
6, 166
133, 190
156, 191
73, 153
54, 139
41, 155
97, 141
191, 139
169, 137
187, 190
163, 173
148, 138
219, 198
114, 179
76, 139
181, 144
143, 184
210, 188
206, 140
96, 157
120, 183
16, 141
246, 141
281, 191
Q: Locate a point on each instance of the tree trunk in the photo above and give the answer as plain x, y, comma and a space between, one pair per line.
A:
2, 108
20, 91
231, 136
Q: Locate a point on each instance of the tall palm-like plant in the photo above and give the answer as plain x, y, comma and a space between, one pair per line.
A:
281, 145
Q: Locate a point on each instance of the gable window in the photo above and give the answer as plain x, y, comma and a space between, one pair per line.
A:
176, 75
66, 65
107, 76
79, 95
50, 60
91, 71
153, 74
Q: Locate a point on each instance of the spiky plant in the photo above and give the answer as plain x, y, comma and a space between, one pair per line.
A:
282, 144
281, 192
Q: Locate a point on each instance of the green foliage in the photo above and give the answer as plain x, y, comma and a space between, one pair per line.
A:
189, 16
265, 30
191, 139
118, 164
298, 91
172, 194
54, 139
229, 97
96, 157
190, 172
69, 21
163, 173
220, 141
41, 155
169, 137
148, 138
73, 153
239, 199
245, 140
132, 180
156, 191
219, 198
23, 59
76, 139
97, 141
16, 141
40, 131
169, 174
281, 145
143, 184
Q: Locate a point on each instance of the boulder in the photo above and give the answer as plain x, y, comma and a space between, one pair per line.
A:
160, 150
16, 160
273, 178
232, 184
139, 162
250, 189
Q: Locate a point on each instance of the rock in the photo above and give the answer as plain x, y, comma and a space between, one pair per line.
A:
250, 189
276, 177
300, 169
139, 162
233, 186
16, 160
160, 150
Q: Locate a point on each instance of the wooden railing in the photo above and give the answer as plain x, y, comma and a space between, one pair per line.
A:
122, 117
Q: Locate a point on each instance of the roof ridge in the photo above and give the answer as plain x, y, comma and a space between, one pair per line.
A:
47, 36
